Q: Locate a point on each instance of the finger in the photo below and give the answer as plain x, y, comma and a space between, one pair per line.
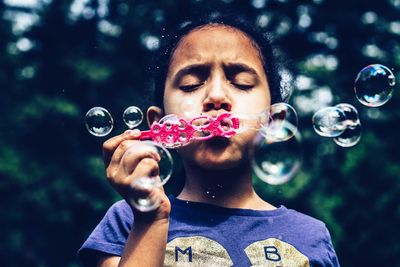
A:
147, 167
112, 144
130, 152
122, 176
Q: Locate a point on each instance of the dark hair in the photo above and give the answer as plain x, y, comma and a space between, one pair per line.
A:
262, 40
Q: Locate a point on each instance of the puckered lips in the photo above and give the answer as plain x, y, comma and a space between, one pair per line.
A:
218, 142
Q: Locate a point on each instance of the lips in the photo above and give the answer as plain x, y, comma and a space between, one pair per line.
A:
218, 142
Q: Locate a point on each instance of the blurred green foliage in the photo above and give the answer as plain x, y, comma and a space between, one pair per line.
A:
60, 58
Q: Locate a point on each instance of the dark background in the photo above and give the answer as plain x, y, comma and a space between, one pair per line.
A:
60, 58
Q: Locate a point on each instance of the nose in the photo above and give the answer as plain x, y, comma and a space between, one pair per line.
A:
217, 95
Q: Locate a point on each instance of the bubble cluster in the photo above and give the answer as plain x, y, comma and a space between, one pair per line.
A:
132, 116
340, 122
374, 85
99, 121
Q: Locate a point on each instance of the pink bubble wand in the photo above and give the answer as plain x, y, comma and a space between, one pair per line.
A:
174, 131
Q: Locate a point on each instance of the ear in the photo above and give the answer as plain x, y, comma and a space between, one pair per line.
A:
154, 114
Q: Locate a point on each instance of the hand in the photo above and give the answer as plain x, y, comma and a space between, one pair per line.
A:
126, 158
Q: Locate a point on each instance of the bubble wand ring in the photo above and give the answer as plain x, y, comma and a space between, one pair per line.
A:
216, 126
183, 132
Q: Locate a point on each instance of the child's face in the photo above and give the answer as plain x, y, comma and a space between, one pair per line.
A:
213, 70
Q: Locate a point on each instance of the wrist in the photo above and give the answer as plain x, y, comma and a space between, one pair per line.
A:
145, 224
150, 218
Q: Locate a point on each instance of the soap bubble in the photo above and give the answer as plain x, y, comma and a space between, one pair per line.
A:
277, 162
99, 121
254, 121
144, 196
329, 121
351, 114
352, 134
374, 85
165, 164
281, 114
132, 116
350, 137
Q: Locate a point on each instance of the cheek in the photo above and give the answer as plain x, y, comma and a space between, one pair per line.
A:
255, 101
171, 100
186, 105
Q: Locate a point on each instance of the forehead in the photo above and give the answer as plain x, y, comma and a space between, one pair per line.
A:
214, 43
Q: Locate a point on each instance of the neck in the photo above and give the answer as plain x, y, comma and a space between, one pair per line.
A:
231, 188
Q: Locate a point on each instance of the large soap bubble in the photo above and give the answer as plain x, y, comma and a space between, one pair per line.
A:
144, 196
277, 162
374, 85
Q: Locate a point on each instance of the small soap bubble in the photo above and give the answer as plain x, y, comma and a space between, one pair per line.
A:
329, 121
277, 162
374, 85
281, 114
144, 197
132, 116
350, 137
99, 121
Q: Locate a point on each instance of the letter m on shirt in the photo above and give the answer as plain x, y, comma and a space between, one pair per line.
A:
187, 251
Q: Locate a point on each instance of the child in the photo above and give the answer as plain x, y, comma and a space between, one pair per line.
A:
217, 220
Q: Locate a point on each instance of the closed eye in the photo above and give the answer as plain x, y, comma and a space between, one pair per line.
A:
242, 86
190, 87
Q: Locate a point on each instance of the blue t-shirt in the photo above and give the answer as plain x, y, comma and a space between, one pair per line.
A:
206, 235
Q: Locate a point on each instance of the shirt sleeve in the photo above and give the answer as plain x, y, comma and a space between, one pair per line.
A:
109, 236
333, 260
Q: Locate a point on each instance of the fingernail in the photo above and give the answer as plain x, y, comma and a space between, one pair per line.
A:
135, 133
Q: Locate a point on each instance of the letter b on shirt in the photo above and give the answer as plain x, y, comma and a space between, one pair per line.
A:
273, 252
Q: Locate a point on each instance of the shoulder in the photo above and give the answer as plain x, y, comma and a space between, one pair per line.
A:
306, 227
311, 233
109, 236
304, 219
120, 209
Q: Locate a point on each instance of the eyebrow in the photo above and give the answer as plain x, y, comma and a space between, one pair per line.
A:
194, 68
237, 67
240, 67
